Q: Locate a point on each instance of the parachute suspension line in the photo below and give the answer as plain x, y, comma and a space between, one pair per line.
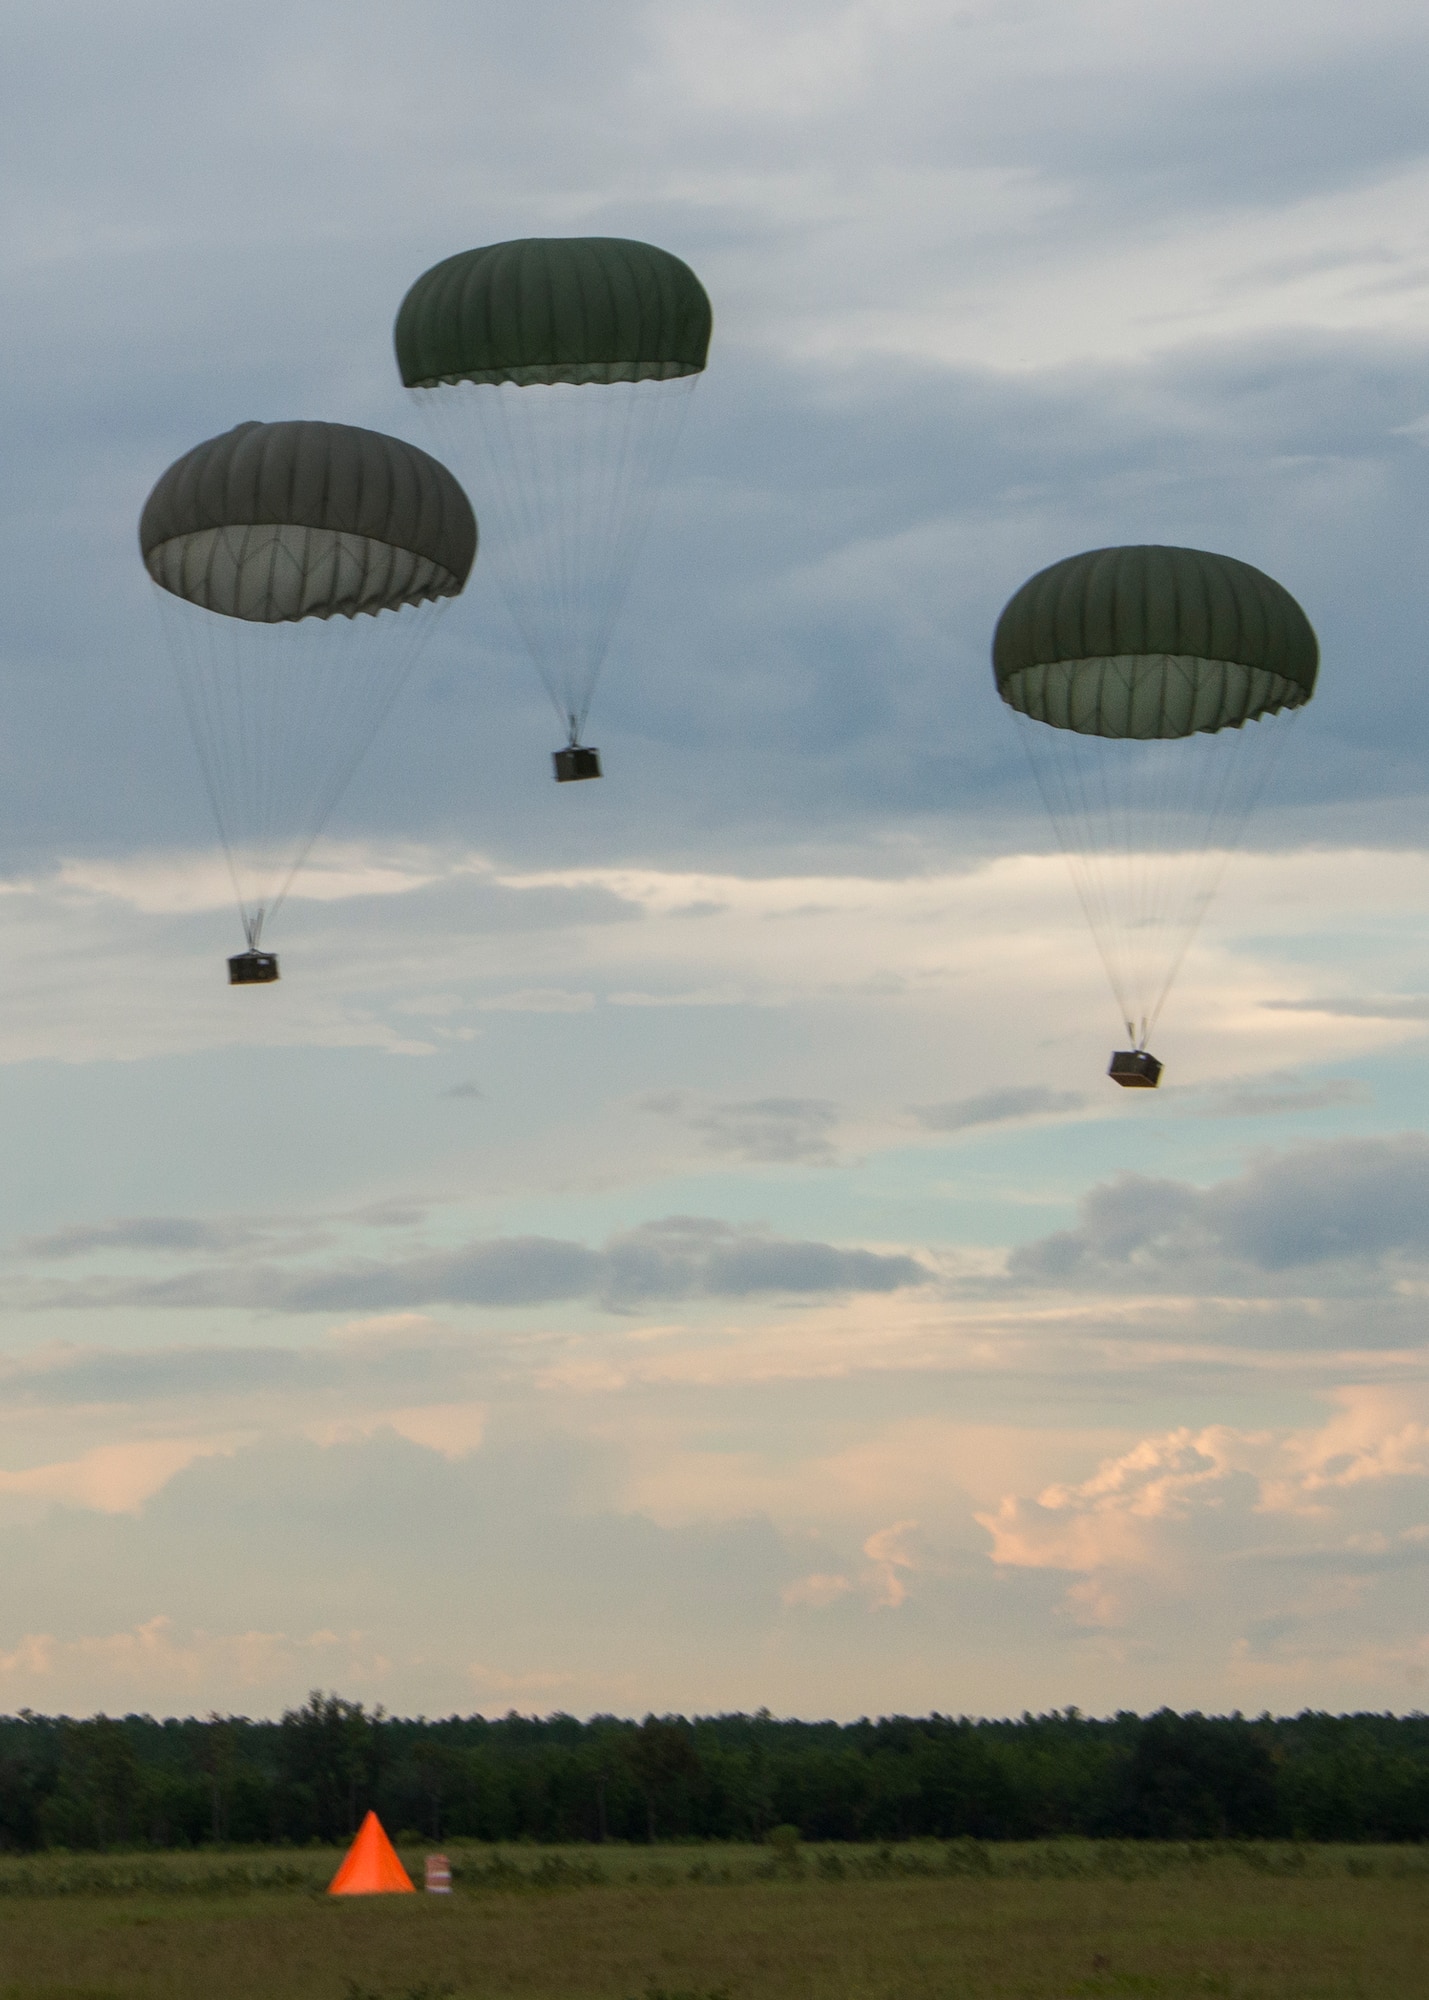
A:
1229, 815
630, 487
192, 642
1148, 827
566, 476
1053, 783
387, 686
281, 716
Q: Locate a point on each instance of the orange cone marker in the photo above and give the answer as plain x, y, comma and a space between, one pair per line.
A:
371, 1867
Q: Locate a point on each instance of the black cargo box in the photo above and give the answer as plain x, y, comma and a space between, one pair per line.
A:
252, 968
1135, 1069
575, 763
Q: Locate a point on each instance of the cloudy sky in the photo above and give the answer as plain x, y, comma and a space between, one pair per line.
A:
671, 1243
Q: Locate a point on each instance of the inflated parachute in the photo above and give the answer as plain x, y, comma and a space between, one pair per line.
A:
300, 567
556, 372
1148, 682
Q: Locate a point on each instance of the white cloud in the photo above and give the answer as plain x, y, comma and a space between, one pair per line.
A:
453, 1429
1374, 1437
1110, 1520
112, 1478
1129, 1514
816, 1591
1281, 1561
158, 1663
1001, 942
887, 1551
788, 64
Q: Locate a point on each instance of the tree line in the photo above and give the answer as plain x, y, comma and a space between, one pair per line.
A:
310, 1776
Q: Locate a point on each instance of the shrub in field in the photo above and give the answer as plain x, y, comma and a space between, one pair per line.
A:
426, 1991
653, 1992
784, 1841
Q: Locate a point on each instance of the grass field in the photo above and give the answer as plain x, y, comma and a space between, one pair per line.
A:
1062, 1921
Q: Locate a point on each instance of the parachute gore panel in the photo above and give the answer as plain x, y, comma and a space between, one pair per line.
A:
549, 309
1149, 642
277, 522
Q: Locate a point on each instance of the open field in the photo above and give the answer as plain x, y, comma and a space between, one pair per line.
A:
1060, 1921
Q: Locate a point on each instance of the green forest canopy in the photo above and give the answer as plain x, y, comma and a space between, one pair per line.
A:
311, 1775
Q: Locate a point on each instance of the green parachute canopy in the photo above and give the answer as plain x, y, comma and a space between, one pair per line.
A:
1146, 682
547, 309
555, 372
273, 522
300, 567
1153, 642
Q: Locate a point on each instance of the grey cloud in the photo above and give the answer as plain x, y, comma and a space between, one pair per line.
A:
409, 1359
464, 1090
178, 1234
679, 1258
794, 1131
874, 492
1236, 132
393, 1214
1352, 1198
1276, 1096
1358, 1204
682, 1258
88, 1376
996, 1107
421, 1365
184, 1235
689, 1257
873, 515
511, 1271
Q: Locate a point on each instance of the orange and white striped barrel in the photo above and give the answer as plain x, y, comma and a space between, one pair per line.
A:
439, 1875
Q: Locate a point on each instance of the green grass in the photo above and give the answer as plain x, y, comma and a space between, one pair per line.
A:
1056, 1921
